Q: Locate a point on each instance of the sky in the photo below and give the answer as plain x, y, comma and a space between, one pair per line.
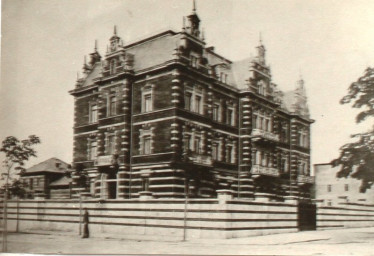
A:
43, 42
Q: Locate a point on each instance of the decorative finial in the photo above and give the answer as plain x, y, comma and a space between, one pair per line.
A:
115, 30
202, 34
260, 38
95, 46
194, 6
184, 23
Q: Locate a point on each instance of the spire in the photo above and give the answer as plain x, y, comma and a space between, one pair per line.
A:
261, 51
85, 66
202, 34
193, 22
184, 23
114, 40
95, 56
194, 7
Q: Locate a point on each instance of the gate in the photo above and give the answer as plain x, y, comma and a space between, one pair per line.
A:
306, 216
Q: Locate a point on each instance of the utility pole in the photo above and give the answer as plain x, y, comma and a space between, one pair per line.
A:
5, 212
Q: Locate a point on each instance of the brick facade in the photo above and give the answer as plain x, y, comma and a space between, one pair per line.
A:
170, 116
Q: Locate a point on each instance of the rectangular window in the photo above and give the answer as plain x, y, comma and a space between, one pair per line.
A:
187, 142
112, 106
194, 61
198, 104
216, 112
187, 101
229, 154
147, 103
93, 113
147, 145
111, 145
284, 134
283, 166
215, 151
329, 188
230, 117
93, 150
31, 183
267, 125
197, 145
346, 187
255, 121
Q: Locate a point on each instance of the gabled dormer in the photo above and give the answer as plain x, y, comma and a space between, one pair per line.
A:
116, 58
259, 73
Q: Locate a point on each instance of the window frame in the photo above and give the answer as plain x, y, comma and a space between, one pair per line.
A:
94, 111
92, 153
147, 96
147, 145
110, 146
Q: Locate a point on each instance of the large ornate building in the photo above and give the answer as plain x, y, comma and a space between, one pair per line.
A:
170, 116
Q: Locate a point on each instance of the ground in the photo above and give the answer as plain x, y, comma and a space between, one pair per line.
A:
358, 241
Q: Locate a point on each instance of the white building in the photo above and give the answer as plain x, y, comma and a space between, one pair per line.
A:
332, 190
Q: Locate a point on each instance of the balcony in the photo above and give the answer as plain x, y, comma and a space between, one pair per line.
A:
200, 159
106, 160
302, 179
261, 134
266, 171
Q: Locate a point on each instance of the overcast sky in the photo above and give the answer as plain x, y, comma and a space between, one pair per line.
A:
43, 43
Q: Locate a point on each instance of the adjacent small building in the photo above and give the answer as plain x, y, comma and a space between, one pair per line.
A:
330, 190
47, 179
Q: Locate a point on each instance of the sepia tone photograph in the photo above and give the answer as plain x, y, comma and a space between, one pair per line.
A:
188, 127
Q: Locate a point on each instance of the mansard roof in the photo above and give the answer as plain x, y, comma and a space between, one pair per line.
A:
95, 72
160, 48
154, 50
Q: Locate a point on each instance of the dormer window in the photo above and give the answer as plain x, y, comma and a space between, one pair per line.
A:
262, 88
223, 77
112, 66
194, 60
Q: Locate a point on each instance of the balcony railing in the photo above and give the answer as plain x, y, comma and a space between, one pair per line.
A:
106, 160
265, 134
305, 179
266, 171
200, 159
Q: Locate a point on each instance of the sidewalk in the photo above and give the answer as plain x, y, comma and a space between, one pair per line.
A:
358, 241
272, 239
